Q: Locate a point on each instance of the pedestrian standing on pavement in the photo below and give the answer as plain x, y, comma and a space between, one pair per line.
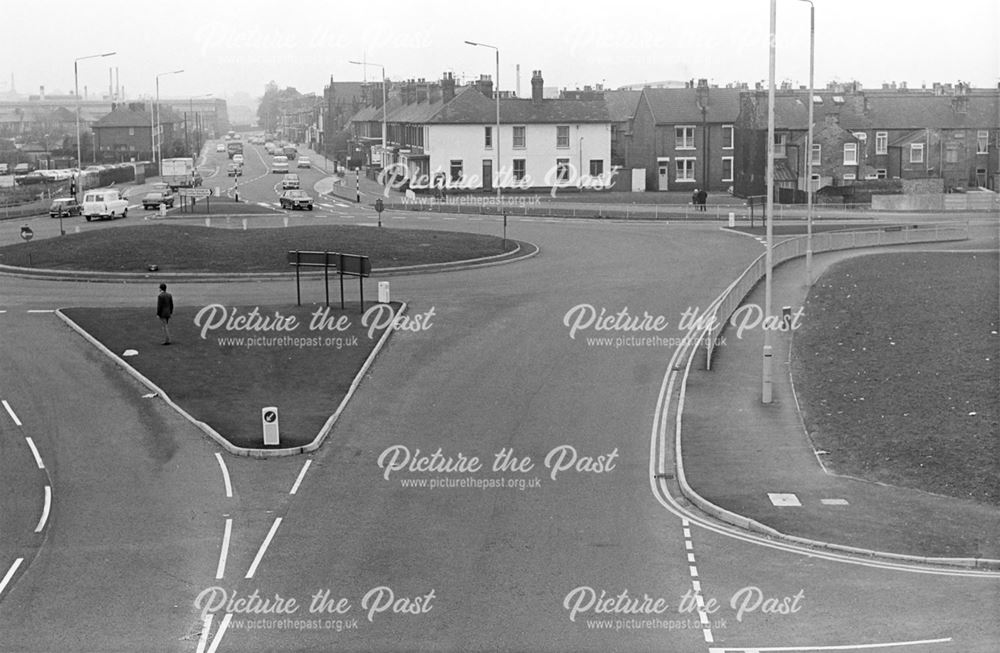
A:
694, 197
164, 309
702, 199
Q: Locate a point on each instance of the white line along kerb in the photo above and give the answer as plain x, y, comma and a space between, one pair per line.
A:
225, 475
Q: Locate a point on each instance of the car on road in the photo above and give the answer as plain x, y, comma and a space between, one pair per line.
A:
104, 203
153, 200
220, 147
296, 199
279, 164
23, 168
290, 181
234, 170
238, 158
304, 162
65, 207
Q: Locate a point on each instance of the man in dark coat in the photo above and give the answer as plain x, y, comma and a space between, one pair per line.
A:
702, 199
164, 309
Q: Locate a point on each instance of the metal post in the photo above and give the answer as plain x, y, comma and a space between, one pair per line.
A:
326, 275
766, 376
809, 146
298, 286
357, 177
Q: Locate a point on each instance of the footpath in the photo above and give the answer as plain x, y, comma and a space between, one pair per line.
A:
756, 460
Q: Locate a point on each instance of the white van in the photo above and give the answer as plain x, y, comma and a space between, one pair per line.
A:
279, 164
104, 203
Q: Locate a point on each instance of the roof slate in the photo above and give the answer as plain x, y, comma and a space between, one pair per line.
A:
124, 118
622, 104
671, 106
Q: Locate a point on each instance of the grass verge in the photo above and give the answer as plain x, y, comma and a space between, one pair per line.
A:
227, 376
898, 371
185, 248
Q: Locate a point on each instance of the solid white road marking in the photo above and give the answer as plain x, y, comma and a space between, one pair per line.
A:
225, 475
220, 632
10, 411
10, 574
45, 509
220, 571
840, 647
41, 310
834, 502
205, 628
34, 452
302, 474
263, 548
784, 500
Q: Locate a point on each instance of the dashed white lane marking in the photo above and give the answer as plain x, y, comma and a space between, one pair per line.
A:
220, 571
838, 647
41, 310
706, 626
220, 633
206, 627
225, 475
10, 574
302, 474
34, 452
834, 502
10, 411
45, 509
263, 547
784, 500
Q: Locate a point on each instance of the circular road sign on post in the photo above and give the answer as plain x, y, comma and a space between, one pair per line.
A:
26, 233
379, 207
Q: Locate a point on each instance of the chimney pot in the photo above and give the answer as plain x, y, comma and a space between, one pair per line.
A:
537, 85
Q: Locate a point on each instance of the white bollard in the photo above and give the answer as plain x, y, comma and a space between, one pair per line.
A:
732, 219
285, 220
383, 292
244, 224
269, 424
208, 222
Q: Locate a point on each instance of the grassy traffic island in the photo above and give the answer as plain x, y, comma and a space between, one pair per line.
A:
223, 371
898, 371
185, 248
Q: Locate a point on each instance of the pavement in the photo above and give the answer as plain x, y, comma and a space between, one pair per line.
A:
739, 453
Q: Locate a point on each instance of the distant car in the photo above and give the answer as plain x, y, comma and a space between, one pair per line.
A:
65, 207
290, 182
304, 162
3, 168
153, 200
104, 203
238, 158
220, 147
23, 168
296, 199
279, 164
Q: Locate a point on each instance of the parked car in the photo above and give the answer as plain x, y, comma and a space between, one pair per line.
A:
220, 147
104, 203
153, 200
234, 170
296, 199
65, 207
304, 162
290, 182
23, 168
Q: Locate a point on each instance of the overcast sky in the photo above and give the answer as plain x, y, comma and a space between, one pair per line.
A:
231, 47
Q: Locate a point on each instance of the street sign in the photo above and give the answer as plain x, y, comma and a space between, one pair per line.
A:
269, 423
195, 192
379, 205
26, 233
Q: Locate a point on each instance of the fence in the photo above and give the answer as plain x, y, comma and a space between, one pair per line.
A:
827, 241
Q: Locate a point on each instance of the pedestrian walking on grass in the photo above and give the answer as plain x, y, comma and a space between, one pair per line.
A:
164, 309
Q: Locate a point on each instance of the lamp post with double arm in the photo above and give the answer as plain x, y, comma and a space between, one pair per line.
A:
496, 95
76, 93
157, 136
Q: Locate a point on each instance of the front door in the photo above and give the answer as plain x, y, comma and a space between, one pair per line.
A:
487, 174
663, 172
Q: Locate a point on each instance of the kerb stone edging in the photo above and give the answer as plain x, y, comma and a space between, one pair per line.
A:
251, 452
751, 525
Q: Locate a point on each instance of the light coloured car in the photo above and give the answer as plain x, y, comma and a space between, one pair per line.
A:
238, 158
279, 164
220, 147
304, 162
289, 182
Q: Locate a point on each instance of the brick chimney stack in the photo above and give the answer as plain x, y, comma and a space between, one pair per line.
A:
536, 86
448, 87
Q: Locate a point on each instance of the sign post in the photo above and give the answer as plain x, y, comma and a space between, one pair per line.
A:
379, 207
195, 193
269, 423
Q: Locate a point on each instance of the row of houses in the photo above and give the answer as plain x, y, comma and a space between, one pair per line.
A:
669, 139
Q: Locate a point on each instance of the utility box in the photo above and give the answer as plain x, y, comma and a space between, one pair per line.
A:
269, 422
383, 292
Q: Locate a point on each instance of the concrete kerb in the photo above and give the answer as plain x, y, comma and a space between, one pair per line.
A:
251, 452
745, 523
523, 251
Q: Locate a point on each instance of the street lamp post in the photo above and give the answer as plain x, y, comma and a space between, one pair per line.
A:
385, 109
157, 136
766, 376
191, 112
496, 94
76, 92
809, 146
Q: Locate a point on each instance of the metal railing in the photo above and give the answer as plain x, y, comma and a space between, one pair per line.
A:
827, 241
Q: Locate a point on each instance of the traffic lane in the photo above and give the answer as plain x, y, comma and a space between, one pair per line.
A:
771, 598
22, 495
497, 371
138, 501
